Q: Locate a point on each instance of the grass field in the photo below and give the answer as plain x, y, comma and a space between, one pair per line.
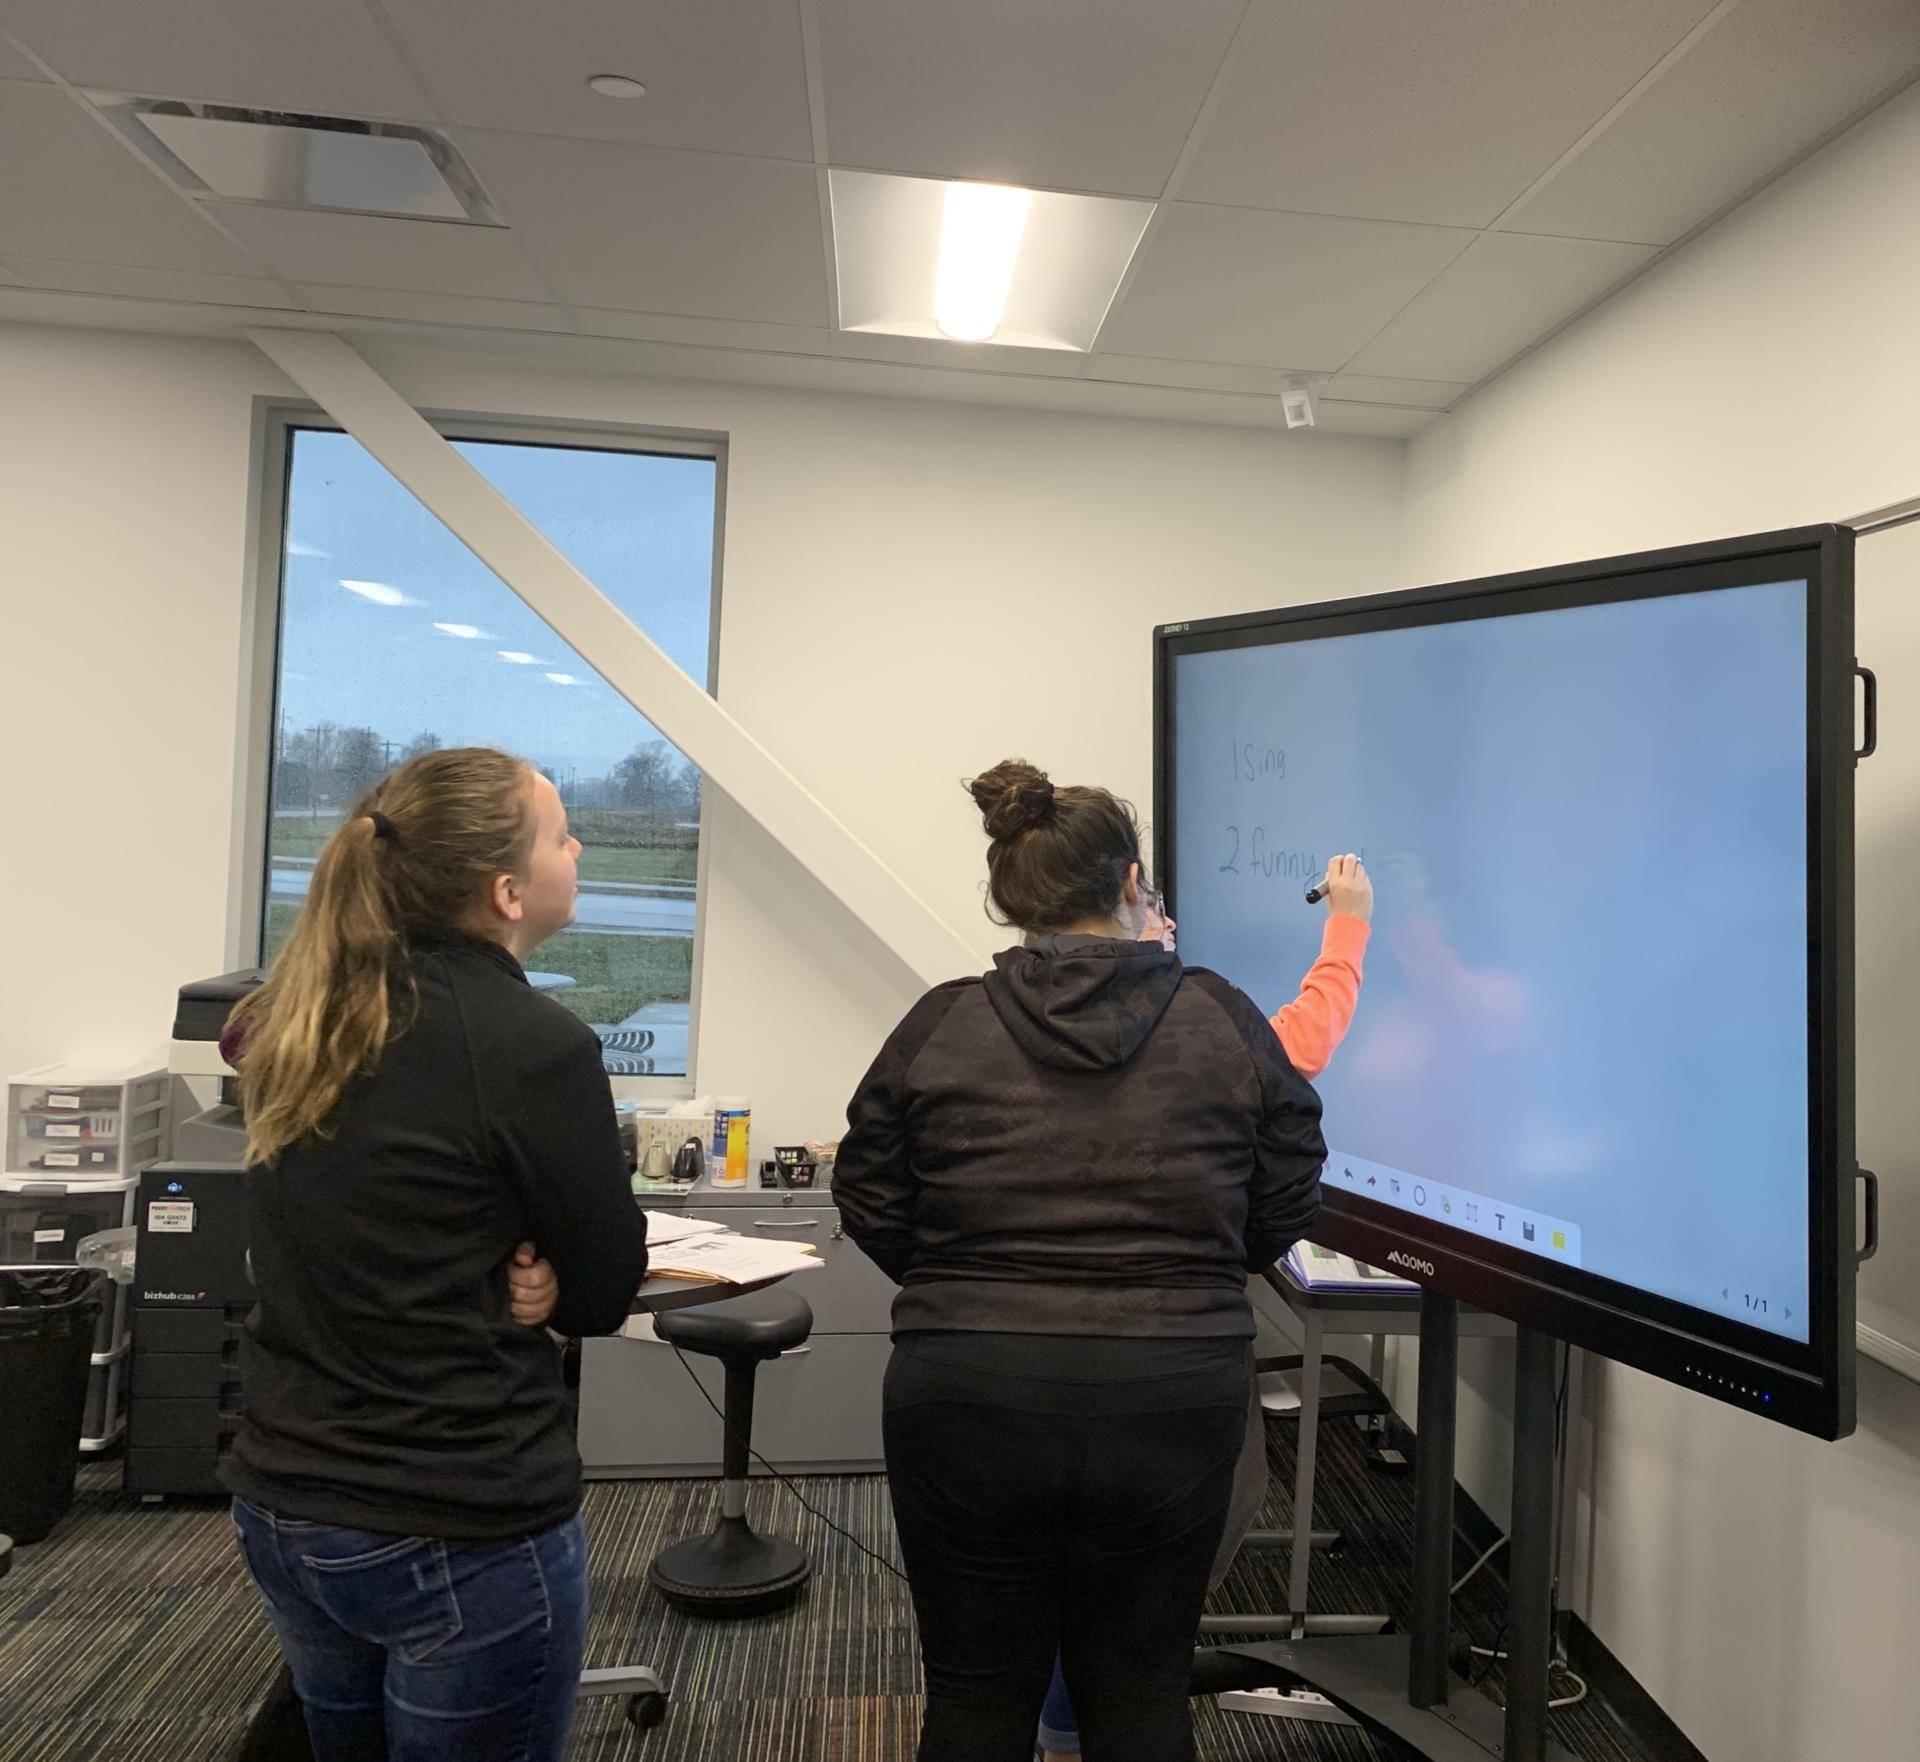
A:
602, 863
615, 975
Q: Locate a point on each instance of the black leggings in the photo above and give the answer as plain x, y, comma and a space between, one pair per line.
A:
1060, 1493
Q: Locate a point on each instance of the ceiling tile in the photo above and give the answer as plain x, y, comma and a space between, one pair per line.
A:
435, 308
651, 229
867, 345
1424, 394
1094, 95
364, 250
1211, 376
709, 333
1764, 84
152, 284
71, 191
158, 317
1405, 110
277, 54
728, 76
1300, 291
1507, 291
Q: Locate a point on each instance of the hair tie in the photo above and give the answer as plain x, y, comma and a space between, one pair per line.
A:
382, 826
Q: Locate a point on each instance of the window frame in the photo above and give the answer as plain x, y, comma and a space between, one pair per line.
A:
275, 421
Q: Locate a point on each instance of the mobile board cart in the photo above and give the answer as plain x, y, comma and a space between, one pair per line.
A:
1601, 1077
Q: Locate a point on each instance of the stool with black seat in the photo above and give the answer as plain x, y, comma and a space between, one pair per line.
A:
733, 1570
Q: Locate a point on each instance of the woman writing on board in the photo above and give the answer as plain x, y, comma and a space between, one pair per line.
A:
1071, 1166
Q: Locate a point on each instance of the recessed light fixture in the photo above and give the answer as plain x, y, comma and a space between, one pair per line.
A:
377, 591
465, 631
563, 679
519, 657
978, 264
615, 85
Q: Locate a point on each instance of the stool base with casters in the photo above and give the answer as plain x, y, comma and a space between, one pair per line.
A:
646, 1693
732, 1570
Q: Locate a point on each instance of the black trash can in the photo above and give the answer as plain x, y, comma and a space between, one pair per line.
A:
47, 1318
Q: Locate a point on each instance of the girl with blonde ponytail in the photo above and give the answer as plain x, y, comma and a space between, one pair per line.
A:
434, 1172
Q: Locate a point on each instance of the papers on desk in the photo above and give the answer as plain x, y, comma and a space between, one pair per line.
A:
727, 1259
663, 1227
1320, 1269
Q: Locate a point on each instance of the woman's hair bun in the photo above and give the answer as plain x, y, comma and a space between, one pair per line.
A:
1013, 796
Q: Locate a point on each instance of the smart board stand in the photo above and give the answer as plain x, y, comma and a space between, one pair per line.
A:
1400, 1682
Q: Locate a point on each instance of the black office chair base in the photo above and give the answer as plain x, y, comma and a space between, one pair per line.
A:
732, 1571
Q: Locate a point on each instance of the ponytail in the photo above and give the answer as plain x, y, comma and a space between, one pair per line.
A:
414, 860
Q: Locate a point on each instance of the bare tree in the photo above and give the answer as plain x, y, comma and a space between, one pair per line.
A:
362, 762
645, 778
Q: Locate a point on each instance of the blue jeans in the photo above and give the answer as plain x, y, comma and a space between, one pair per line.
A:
1059, 1730
407, 1649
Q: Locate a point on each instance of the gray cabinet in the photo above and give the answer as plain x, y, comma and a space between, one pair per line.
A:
816, 1409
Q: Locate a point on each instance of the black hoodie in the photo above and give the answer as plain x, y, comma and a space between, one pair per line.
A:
1093, 1140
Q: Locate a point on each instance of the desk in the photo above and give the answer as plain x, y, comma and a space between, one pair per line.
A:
1321, 1313
660, 1292
816, 1410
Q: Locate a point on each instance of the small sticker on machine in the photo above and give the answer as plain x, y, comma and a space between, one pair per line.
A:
42, 1237
170, 1214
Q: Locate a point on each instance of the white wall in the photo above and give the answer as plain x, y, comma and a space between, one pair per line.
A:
1765, 1588
123, 481
912, 591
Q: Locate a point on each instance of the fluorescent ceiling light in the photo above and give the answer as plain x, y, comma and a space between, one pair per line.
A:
296, 549
468, 631
519, 657
563, 679
377, 591
979, 239
919, 257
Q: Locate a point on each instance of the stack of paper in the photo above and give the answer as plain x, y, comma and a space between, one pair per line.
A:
727, 1259
664, 1227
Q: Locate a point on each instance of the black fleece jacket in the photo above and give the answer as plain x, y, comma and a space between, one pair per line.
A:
387, 1386
1092, 1140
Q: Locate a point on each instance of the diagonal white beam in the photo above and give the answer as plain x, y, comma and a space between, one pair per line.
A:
489, 525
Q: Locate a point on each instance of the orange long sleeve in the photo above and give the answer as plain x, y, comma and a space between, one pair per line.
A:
1313, 1025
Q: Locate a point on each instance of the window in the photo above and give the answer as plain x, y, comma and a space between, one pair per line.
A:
393, 639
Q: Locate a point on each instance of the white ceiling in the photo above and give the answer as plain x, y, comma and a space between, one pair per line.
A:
1394, 197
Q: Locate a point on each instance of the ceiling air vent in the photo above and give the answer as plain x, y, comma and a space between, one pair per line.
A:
282, 160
